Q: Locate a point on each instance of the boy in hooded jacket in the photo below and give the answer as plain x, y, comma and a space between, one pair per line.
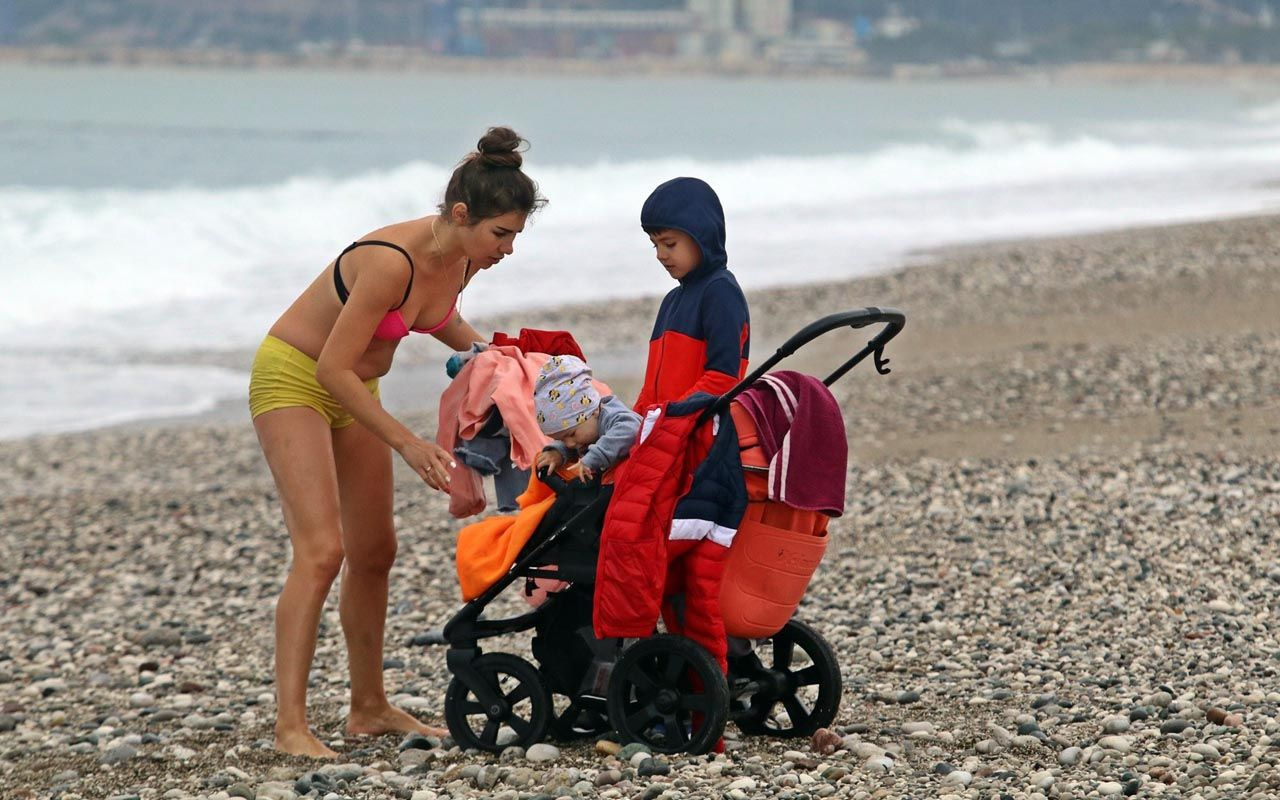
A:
699, 344
701, 336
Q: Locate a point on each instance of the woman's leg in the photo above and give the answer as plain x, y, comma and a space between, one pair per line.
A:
297, 444
369, 540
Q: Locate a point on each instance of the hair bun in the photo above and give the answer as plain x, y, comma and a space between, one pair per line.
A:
500, 147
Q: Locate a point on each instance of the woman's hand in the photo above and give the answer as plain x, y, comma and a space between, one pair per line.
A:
549, 460
431, 461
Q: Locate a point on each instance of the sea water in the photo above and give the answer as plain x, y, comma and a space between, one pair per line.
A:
154, 222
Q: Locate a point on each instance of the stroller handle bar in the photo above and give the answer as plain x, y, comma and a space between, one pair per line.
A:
893, 320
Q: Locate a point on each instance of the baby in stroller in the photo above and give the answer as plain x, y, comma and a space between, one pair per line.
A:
589, 433
665, 690
592, 432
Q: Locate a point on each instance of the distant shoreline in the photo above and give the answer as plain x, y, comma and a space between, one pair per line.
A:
408, 60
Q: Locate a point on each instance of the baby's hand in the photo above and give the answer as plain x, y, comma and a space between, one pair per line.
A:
582, 472
549, 460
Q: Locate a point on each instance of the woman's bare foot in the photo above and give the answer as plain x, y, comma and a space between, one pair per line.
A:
302, 743
389, 720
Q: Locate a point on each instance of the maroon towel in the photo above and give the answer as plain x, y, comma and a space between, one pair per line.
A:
803, 437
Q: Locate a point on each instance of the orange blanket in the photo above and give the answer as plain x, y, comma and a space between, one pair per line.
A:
488, 548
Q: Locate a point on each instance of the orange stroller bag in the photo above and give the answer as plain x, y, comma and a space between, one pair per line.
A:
775, 552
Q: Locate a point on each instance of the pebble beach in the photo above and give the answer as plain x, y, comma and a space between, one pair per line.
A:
1058, 573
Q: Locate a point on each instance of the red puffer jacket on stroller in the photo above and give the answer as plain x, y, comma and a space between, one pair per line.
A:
674, 461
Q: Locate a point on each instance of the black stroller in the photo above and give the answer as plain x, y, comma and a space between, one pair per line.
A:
665, 691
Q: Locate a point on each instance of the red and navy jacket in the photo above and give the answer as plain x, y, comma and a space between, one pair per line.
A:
679, 482
701, 338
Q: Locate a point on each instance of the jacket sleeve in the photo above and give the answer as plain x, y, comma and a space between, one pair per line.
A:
643, 401
648, 396
712, 382
614, 443
726, 326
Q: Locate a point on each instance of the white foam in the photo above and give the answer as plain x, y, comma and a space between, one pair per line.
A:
210, 268
63, 393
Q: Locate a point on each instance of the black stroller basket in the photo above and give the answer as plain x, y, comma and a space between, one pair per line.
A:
496, 694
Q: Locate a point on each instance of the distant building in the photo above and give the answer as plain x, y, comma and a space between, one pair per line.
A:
894, 24
736, 31
1165, 51
556, 31
441, 26
714, 16
1012, 50
732, 33
819, 42
7, 26
767, 19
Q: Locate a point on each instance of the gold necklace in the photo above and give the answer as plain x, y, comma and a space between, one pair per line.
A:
466, 271
435, 239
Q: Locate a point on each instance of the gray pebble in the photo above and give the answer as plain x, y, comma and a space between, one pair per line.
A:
417, 741
242, 790
608, 777
629, 750
118, 754
160, 637
958, 776
653, 766
542, 752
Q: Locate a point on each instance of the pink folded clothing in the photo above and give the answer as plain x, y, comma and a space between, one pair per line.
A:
500, 377
803, 438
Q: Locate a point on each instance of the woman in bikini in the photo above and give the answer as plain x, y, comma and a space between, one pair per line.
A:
313, 394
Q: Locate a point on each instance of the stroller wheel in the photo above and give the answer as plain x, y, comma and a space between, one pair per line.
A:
521, 719
801, 673
669, 693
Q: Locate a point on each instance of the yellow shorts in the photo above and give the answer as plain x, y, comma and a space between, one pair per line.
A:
285, 377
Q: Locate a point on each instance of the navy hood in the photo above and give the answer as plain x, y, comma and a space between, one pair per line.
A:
689, 205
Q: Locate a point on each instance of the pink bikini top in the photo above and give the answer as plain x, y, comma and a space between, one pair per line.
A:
392, 326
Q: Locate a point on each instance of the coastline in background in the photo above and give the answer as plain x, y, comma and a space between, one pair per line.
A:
1264, 76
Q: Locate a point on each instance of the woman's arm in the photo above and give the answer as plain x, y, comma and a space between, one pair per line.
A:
458, 334
378, 285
